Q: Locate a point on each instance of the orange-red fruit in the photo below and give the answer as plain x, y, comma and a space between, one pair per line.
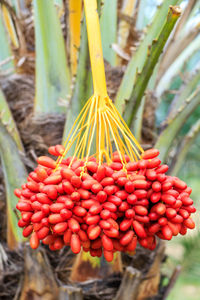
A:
95, 209
33, 186
113, 232
43, 232
73, 225
58, 243
67, 173
132, 245
52, 151
189, 223
92, 220
151, 174
83, 236
27, 231
17, 192
140, 194
42, 198
97, 244
37, 216
168, 199
24, 206
155, 197
79, 211
140, 184
52, 192
166, 186
34, 241
105, 214
75, 196
67, 236
56, 207
101, 173
107, 243
115, 200
125, 224
60, 227
49, 239
75, 243
94, 232
174, 228
108, 255
107, 181
159, 208
130, 186
60, 149
76, 181
154, 228
101, 196
68, 188
92, 166
179, 183
110, 206
170, 213
167, 233
53, 179
140, 210
46, 162
96, 188
41, 173
150, 153
156, 186
26, 216
162, 169
130, 213
131, 199
142, 219
21, 223
104, 224
126, 239
55, 218
139, 229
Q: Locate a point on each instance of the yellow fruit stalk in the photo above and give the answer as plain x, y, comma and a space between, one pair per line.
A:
75, 11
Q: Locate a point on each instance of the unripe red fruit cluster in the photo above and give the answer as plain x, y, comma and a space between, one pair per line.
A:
106, 209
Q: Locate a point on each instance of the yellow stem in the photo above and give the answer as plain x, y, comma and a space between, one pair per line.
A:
10, 26
126, 136
75, 9
99, 115
89, 124
114, 138
95, 48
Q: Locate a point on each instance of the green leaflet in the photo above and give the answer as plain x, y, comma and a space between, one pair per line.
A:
5, 51
139, 57
8, 121
108, 23
175, 123
83, 86
14, 176
185, 91
185, 146
142, 20
142, 78
173, 70
138, 120
52, 72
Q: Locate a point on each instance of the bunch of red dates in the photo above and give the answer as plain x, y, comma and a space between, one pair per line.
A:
105, 208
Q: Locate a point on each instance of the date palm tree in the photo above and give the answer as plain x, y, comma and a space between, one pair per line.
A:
152, 66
